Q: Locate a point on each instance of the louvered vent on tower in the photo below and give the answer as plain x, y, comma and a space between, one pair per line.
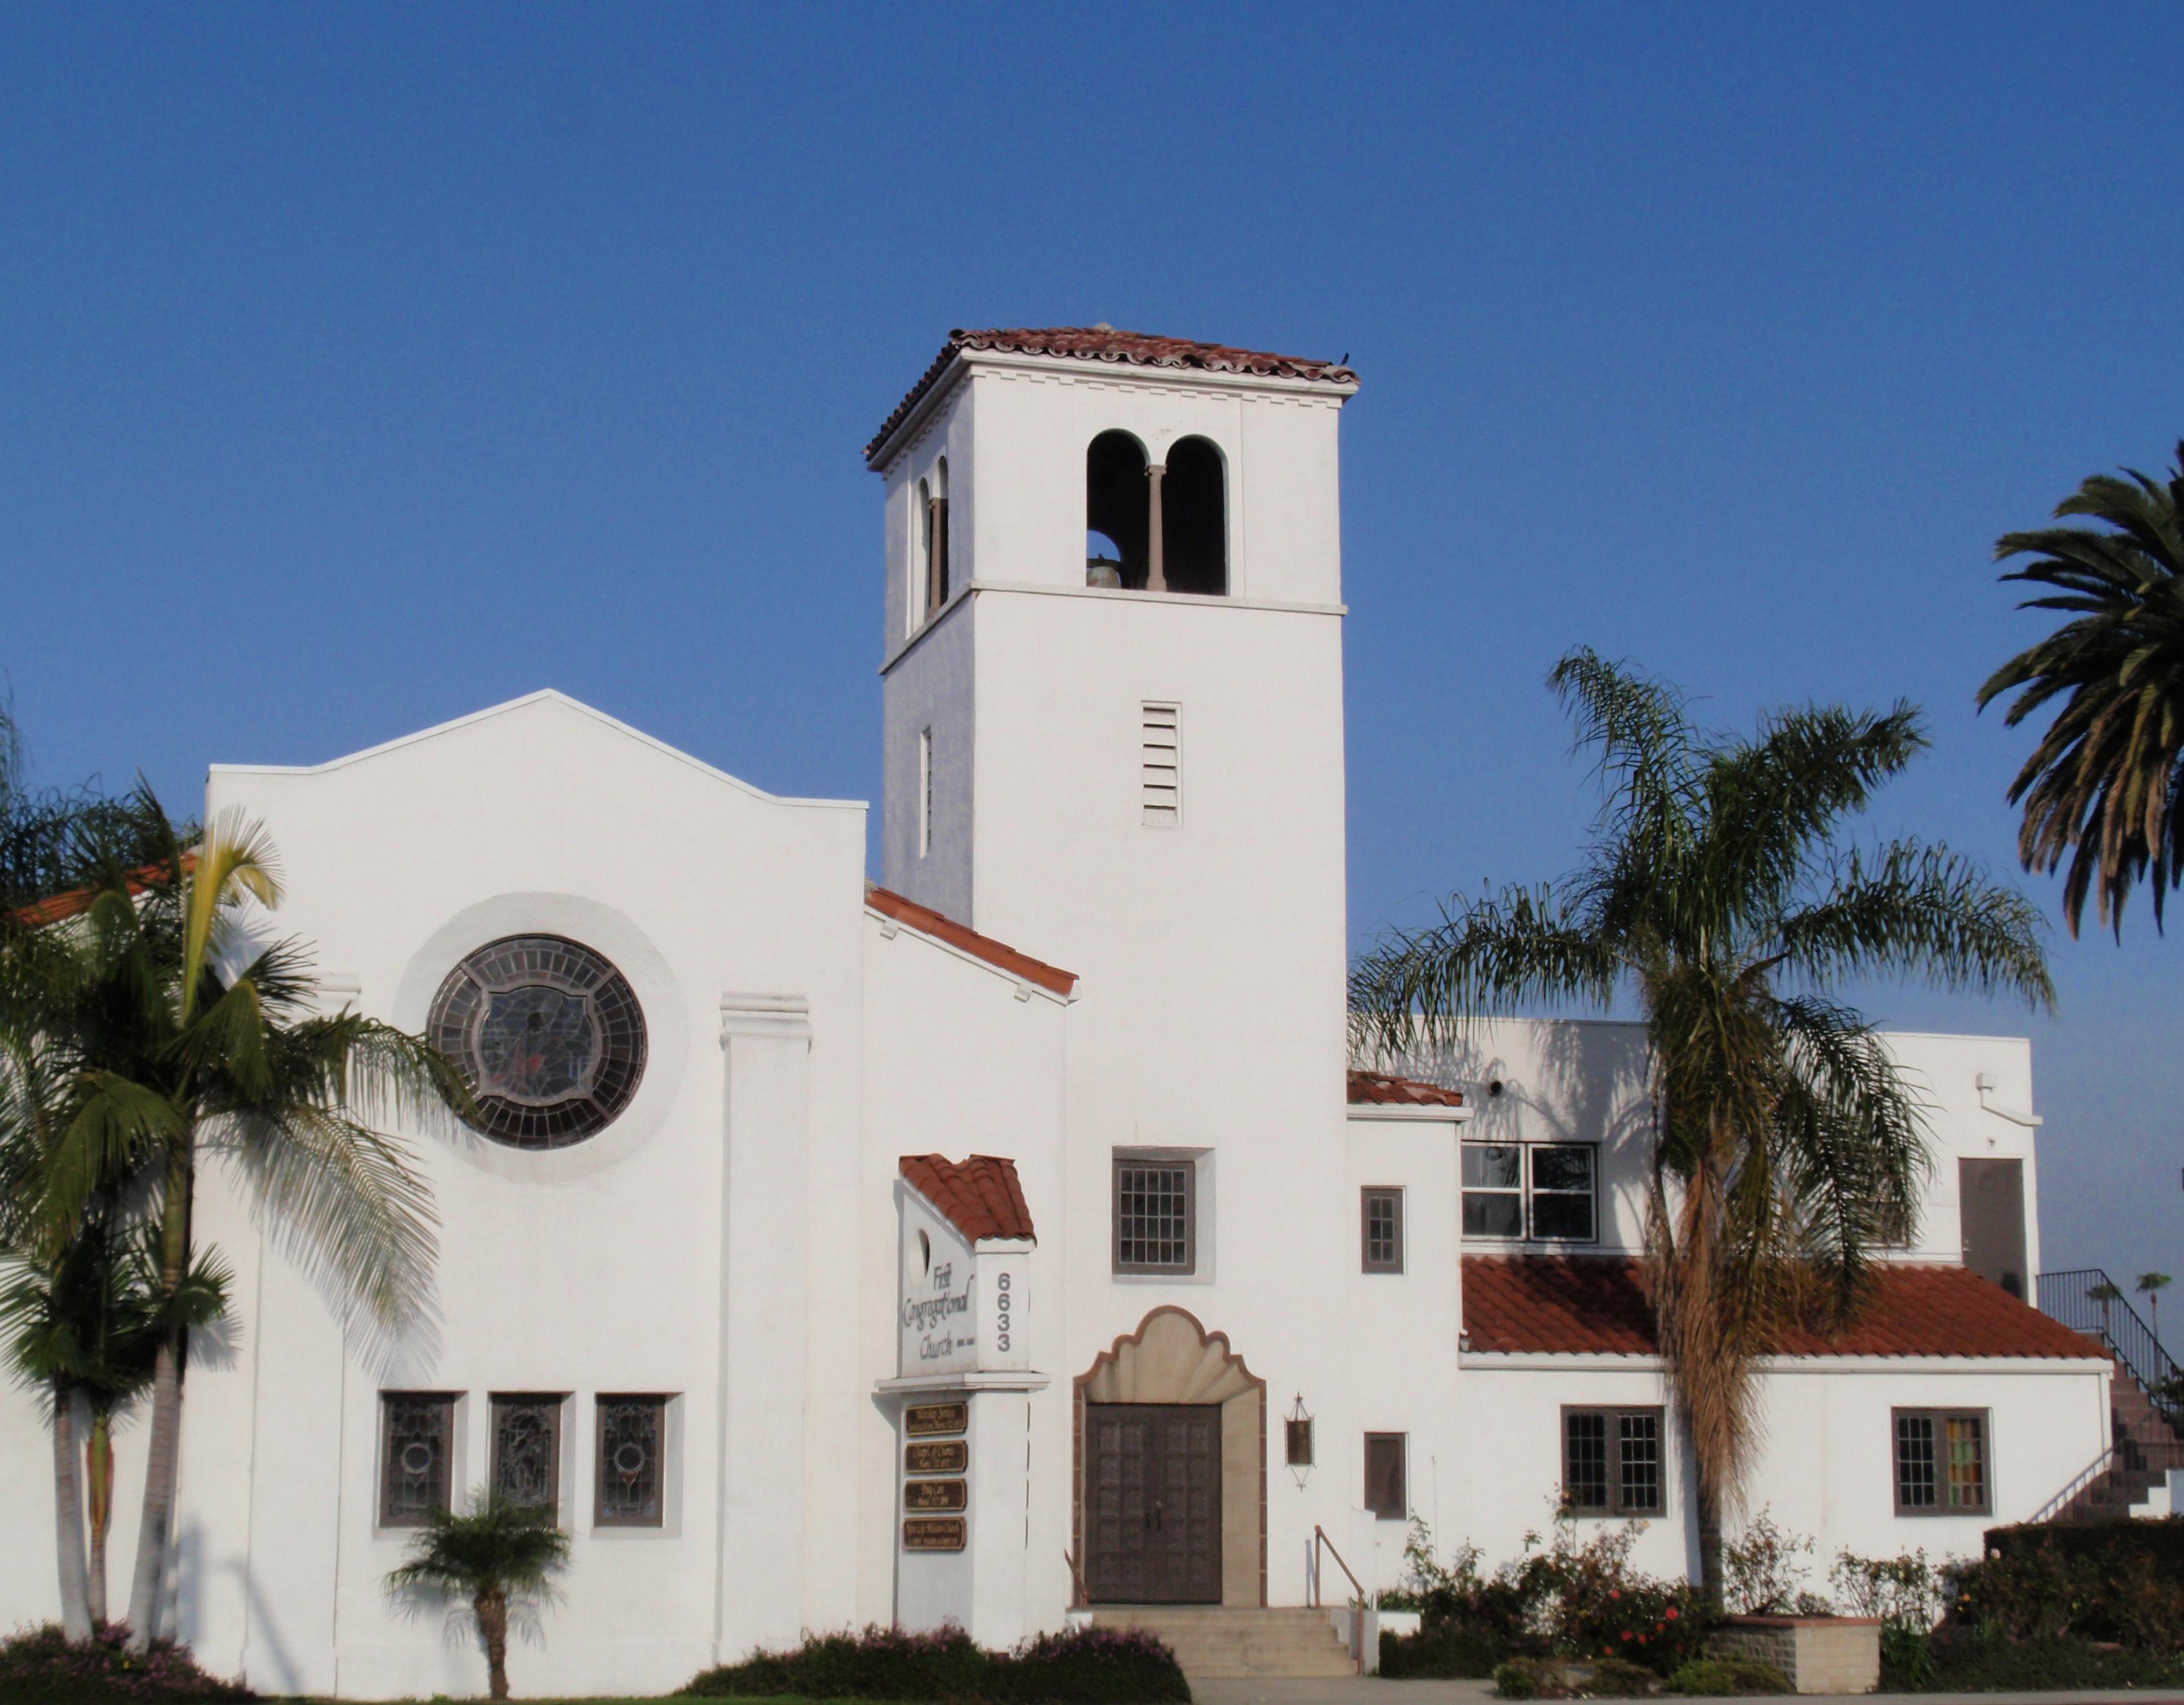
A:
1162, 767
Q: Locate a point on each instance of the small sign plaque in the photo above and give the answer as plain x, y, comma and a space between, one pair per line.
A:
932, 1494
923, 1420
944, 1456
933, 1533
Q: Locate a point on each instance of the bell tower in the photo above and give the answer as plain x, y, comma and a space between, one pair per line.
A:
1113, 692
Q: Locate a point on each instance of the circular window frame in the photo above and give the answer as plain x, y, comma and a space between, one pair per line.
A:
545, 959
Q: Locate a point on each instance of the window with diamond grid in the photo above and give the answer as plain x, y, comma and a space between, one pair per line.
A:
1154, 1228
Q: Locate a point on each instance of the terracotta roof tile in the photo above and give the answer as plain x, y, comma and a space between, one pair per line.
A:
1379, 1090
77, 900
928, 922
1105, 343
980, 1196
1596, 1305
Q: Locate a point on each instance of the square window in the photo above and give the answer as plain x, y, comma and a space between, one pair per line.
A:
1382, 1214
1611, 1461
1385, 1493
1156, 1215
526, 1450
1542, 1191
417, 1434
632, 1463
1941, 1462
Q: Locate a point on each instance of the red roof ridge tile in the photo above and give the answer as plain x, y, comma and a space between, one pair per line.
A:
1598, 1305
980, 1195
1106, 343
1384, 1089
942, 928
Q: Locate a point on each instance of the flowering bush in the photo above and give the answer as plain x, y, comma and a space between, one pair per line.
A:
1764, 1574
41, 1666
1569, 1600
1906, 1592
1083, 1666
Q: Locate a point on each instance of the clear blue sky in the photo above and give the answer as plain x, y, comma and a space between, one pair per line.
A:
362, 367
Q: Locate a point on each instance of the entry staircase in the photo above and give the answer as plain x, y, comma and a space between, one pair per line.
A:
1215, 1644
2131, 1477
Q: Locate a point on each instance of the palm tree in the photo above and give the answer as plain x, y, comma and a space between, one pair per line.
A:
2150, 1286
195, 1040
495, 1554
90, 1326
2105, 1292
2100, 786
1719, 897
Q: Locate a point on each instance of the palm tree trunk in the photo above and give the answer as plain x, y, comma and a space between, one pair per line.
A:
98, 1473
163, 1450
68, 1518
1710, 1569
491, 1610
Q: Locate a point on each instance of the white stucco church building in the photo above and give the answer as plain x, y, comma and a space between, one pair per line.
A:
1011, 1232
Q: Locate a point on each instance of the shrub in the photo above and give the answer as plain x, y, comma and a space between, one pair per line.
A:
1517, 1679
1764, 1577
1613, 1679
1082, 1666
1992, 1664
1728, 1678
1445, 1654
41, 1666
1906, 1592
2120, 1581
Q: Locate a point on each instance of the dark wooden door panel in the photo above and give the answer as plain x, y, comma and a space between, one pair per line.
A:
1153, 1503
1991, 1202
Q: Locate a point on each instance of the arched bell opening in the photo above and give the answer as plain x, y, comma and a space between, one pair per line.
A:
1118, 511
1171, 1447
1195, 518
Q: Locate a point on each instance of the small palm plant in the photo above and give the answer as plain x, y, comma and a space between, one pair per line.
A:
2104, 1293
495, 1555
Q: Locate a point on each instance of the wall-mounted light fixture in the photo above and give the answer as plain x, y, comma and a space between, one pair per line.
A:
1297, 1430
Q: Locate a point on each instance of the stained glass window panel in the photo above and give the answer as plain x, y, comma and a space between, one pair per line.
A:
526, 1450
631, 1461
417, 1432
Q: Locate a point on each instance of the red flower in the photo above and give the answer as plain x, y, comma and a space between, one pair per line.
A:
1672, 1613
1612, 1593
1626, 1634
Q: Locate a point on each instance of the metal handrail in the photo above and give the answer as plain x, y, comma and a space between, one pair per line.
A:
2068, 1296
1357, 1600
1082, 1598
1319, 1538
2143, 1456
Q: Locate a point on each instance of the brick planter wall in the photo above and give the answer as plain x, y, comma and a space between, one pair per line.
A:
1819, 1654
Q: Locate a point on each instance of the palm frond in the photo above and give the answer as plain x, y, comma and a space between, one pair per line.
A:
1485, 956
236, 858
1923, 911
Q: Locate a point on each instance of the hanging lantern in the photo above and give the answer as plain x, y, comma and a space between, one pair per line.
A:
1298, 1429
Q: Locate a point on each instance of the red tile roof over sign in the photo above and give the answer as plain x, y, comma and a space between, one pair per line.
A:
941, 928
1105, 343
980, 1196
1597, 1305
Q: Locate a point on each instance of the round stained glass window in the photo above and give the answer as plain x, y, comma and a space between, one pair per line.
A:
549, 1036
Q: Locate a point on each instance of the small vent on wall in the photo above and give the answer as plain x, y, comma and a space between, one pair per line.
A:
1161, 764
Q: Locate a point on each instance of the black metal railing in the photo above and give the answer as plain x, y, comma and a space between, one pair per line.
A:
2087, 1300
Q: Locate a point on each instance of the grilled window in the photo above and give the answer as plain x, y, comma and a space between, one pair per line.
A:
1382, 1214
1543, 1191
1941, 1462
526, 1450
1156, 1215
417, 1433
1611, 1461
924, 792
1385, 1493
1161, 765
632, 1460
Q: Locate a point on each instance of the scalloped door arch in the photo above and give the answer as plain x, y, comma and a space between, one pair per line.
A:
1172, 1358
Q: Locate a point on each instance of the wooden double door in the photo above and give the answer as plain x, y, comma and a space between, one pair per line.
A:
1153, 1503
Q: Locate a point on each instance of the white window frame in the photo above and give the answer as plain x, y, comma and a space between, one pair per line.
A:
1524, 1193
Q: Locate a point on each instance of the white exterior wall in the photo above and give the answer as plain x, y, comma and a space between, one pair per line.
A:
1826, 1463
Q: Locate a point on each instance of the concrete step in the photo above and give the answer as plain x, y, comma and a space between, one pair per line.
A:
1214, 1644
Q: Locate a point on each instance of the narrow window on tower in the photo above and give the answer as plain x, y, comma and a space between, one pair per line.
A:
1161, 765
924, 792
